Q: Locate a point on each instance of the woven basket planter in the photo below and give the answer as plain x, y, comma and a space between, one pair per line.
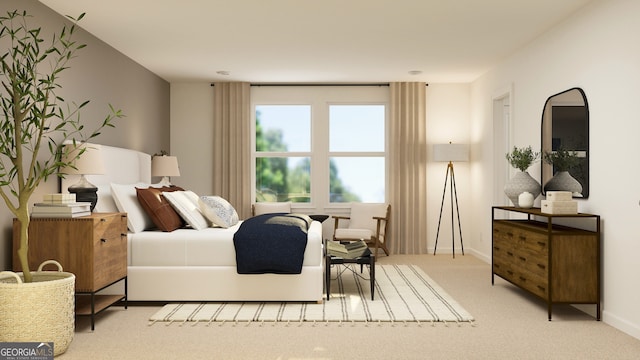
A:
40, 311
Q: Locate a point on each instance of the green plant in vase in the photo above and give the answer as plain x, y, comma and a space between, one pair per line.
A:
522, 158
562, 161
522, 187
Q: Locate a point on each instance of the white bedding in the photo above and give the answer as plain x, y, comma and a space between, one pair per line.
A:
208, 247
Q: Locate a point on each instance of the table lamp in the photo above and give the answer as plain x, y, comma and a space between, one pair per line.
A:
84, 159
165, 166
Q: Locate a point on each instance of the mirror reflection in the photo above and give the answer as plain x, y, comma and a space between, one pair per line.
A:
565, 143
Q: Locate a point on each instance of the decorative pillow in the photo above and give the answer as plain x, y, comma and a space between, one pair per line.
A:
186, 204
271, 207
218, 211
159, 210
124, 195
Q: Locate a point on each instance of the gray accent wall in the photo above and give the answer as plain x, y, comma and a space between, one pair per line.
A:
104, 76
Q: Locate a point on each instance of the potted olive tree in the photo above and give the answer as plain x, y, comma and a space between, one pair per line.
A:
35, 122
522, 183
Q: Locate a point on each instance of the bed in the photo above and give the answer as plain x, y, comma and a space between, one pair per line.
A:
188, 264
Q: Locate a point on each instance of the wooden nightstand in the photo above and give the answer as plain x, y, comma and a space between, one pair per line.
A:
94, 248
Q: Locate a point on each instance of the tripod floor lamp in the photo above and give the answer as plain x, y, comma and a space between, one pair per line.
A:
450, 153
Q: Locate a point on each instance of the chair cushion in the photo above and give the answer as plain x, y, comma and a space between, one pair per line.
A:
272, 207
362, 215
351, 234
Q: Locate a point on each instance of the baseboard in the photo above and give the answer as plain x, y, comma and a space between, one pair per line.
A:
481, 256
621, 324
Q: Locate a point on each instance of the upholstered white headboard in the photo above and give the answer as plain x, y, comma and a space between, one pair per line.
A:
122, 166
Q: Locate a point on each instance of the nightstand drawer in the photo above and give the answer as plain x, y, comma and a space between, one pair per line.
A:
110, 260
110, 227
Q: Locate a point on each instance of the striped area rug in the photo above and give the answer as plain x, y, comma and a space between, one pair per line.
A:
404, 293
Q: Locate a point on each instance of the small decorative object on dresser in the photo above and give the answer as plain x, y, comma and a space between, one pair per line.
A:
521, 159
559, 202
525, 200
559, 264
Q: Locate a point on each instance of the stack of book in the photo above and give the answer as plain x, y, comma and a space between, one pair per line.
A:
60, 206
350, 250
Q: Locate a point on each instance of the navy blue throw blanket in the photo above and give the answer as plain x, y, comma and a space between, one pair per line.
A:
271, 243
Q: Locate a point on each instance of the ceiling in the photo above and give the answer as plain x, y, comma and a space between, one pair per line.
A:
329, 41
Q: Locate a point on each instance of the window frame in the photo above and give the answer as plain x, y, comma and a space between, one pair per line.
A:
320, 98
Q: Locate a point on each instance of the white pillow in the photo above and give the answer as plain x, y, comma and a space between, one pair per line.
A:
218, 211
124, 195
186, 204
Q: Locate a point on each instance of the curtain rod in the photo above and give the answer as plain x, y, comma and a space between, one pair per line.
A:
318, 84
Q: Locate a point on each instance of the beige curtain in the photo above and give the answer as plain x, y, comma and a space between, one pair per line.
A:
232, 145
408, 161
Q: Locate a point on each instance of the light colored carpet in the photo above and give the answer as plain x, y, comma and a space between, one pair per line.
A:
510, 324
403, 293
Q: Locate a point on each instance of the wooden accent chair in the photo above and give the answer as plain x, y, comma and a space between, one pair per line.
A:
270, 207
368, 222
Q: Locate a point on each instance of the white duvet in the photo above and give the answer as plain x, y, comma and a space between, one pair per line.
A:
207, 247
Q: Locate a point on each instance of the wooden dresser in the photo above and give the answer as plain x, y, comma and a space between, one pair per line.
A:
560, 264
94, 248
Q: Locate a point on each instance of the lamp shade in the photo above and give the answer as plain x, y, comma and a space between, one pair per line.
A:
451, 152
85, 158
165, 166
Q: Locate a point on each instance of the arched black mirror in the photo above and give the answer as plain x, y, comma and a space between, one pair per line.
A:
565, 143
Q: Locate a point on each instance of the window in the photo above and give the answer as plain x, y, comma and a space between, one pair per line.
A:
356, 153
322, 146
283, 148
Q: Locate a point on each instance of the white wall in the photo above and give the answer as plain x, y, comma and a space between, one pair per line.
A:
597, 50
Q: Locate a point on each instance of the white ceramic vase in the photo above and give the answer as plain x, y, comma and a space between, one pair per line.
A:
563, 181
519, 183
525, 200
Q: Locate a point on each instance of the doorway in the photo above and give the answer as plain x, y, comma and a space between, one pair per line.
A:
502, 144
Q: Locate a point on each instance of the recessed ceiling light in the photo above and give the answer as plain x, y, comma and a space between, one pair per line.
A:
415, 72
223, 72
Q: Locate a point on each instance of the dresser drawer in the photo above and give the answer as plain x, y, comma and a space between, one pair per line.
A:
532, 242
502, 231
532, 282
503, 269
